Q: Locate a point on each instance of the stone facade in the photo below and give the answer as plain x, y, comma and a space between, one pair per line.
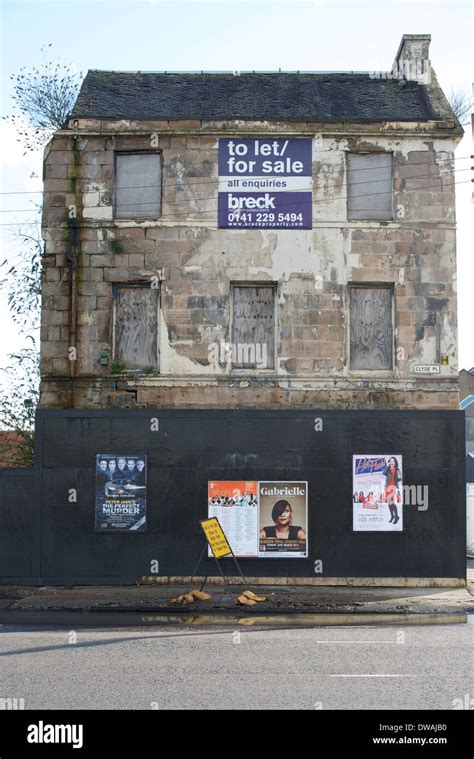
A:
88, 251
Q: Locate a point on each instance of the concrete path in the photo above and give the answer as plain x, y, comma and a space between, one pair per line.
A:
279, 599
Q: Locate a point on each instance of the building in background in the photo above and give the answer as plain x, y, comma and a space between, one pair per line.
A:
466, 404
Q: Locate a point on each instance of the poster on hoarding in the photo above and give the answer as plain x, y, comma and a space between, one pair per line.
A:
235, 504
262, 519
283, 520
377, 493
265, 184
120, 501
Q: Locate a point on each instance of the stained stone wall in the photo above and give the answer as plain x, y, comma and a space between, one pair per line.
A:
194, 263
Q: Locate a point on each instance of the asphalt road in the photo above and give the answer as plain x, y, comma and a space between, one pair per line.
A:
164, 667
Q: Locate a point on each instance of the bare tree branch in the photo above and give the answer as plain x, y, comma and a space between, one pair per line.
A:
44, 98
461, 103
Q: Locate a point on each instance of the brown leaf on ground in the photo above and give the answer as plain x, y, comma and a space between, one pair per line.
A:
253, 596
188, 599
244, 601
200, 595
177, 600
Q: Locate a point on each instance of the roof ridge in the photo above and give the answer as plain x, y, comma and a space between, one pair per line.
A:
238, 72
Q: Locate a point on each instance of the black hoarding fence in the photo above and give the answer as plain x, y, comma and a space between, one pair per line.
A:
49, 531
17, 502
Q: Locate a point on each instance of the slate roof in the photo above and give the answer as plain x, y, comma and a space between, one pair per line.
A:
282, 96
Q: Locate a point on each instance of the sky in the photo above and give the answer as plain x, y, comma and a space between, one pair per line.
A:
228, 36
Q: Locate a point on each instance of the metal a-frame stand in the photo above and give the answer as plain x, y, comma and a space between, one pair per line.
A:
218, 565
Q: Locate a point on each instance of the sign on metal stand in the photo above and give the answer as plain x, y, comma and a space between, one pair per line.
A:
219, 545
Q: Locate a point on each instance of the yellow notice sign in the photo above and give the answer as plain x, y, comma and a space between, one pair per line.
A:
215, 537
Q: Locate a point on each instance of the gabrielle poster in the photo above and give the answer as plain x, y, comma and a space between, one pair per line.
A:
283, 520
377, 493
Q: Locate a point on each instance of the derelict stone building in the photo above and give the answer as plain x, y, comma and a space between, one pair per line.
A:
253, 240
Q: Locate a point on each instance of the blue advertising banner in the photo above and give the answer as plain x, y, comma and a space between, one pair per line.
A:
265, 184
120, 502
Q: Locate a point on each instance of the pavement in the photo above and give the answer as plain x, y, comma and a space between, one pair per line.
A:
296, 599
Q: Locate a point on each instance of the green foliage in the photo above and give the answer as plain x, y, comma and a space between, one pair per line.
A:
22, 280
19, 381
19, 397
44, 97
117, 369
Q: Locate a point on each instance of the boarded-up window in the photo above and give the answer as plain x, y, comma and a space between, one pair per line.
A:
253, 339
371, 332
136, 327
369, 186
137, 185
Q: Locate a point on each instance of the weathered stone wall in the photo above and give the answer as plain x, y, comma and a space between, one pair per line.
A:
87, 252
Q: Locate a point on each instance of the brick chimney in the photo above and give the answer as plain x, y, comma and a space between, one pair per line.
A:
412, 61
